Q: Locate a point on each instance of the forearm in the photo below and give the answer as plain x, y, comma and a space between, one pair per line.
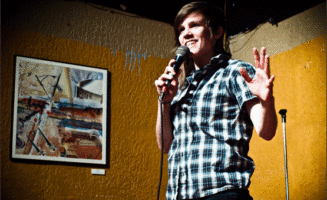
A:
269, 117
264, 118
167, 127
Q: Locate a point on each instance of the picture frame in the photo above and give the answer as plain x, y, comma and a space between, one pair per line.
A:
59, 112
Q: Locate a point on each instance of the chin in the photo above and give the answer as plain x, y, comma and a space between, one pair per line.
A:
193, 54
193, 51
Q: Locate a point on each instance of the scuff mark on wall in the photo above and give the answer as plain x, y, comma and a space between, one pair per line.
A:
133, 60
113, 51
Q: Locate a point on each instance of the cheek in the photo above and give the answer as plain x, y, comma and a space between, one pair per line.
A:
207, 35
204, 36
180, 40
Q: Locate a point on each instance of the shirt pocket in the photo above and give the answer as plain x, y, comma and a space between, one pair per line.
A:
218, 119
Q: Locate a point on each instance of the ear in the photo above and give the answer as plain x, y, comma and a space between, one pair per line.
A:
219, 32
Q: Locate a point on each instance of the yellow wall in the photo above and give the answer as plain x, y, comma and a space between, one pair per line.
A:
299, 87
134, 157
76, 33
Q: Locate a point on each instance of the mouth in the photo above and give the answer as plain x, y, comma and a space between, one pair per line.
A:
190, 43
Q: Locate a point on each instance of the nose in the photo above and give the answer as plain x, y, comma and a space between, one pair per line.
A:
185, 35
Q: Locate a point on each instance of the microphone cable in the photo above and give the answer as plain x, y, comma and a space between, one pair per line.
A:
182, 53
162, 144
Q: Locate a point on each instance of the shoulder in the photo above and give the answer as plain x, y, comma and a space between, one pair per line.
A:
234, 65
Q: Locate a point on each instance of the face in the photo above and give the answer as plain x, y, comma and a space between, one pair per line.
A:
196, 34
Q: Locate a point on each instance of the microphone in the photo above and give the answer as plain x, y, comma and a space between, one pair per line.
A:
182, 54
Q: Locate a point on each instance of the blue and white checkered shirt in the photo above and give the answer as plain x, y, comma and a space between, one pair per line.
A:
212, 130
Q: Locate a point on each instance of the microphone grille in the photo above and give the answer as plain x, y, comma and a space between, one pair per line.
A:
183, 51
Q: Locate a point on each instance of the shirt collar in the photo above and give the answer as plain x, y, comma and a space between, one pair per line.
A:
216, 62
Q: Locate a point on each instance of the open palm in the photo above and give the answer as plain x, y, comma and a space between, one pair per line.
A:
261, 84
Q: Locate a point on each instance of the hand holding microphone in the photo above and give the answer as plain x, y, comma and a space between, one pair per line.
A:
169, 77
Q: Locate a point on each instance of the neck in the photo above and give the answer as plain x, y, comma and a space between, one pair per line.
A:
202, 61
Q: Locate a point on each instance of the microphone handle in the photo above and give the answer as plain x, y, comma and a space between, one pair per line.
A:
179, 61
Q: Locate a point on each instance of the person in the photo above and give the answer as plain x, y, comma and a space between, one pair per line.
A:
209, 110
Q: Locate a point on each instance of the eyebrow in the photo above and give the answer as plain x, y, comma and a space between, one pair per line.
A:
191, 22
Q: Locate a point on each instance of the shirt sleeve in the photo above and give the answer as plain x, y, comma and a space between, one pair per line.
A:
238, 85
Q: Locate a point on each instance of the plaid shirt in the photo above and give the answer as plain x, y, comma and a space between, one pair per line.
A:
212, 130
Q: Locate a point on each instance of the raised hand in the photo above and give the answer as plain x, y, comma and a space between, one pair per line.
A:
261, 85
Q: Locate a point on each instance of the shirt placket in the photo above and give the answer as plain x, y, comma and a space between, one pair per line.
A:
182, 172
184, 176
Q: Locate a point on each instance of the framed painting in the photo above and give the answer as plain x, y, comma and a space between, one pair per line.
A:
59, 112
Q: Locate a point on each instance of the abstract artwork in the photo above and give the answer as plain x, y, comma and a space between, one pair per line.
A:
59, 112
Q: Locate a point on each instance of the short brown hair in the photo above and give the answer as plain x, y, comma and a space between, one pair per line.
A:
215, 18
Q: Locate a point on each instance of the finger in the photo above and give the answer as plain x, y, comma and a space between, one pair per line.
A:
169, 76
256, 57
169, 70
245, 74
175, 78
271, 80
159, 83
174, 83
267, 66
262, 57
171, 64
165, 77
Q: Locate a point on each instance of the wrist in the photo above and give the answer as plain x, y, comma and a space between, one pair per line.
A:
164, 102
270, 101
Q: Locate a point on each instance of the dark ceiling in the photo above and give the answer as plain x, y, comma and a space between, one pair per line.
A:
241, 15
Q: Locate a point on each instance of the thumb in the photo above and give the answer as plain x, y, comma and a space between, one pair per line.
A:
245, 74
272, 78
270, 81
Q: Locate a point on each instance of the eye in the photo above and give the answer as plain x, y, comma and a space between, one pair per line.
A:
194, 25
181, 29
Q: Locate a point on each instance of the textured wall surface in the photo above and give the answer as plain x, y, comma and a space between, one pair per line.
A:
298, 60
93, 24
133, 169
135, 51
299, 87
285, 36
